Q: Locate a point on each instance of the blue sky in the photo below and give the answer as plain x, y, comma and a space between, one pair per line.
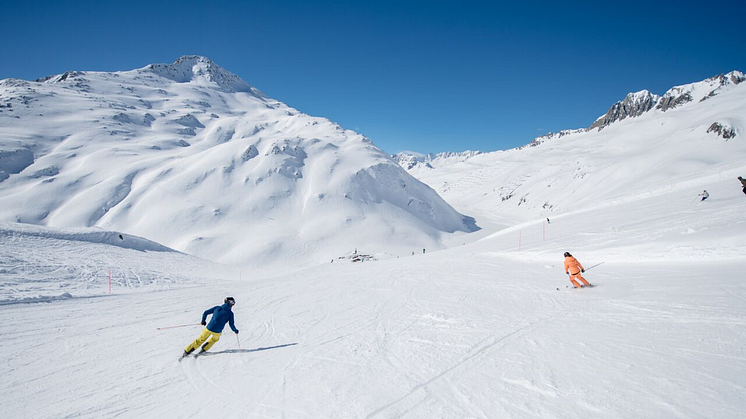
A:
426, 76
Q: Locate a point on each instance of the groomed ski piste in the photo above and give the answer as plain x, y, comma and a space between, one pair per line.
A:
474, 331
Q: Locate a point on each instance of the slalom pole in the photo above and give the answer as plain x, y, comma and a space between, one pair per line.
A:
519, 239
595, 265
173, 327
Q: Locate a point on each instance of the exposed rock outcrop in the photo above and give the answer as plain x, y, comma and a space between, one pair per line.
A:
635, 104
722, 130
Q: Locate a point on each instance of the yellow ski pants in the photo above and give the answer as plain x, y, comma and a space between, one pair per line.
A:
207, 333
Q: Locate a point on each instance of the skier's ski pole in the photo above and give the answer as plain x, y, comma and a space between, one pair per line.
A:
173, 327
594, 266
239, 343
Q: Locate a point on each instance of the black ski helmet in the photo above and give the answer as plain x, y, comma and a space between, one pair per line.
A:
230, 300
567, 254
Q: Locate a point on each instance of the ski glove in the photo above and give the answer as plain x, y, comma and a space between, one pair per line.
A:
236, 331
204, 323
567, 273
582, 270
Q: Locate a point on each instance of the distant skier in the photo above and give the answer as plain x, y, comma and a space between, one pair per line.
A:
548, 221
572, 265
743, 183
220, 316
704, 195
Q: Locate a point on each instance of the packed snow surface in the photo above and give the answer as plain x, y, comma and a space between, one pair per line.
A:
479, 330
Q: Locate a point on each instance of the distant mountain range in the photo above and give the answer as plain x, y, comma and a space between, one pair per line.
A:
639, 103
410, 160
191, 156
687, 140
633, 105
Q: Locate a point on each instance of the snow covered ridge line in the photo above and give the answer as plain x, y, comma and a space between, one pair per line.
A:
183, 70
89, 235
633, 105
636, 104
188, 67
189, 155
639, 103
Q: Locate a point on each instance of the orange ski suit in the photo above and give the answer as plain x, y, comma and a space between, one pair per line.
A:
572, 264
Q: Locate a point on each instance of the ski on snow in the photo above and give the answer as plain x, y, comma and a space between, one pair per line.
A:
196, 355
567, 287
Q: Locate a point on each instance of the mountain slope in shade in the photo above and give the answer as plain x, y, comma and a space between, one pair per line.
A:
191, 156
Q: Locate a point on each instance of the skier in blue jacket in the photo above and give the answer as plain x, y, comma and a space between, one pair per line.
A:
220, 316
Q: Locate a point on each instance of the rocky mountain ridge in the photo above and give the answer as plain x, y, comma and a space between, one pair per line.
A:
639, 103
633, 105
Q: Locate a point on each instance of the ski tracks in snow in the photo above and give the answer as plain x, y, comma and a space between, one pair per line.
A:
474, 354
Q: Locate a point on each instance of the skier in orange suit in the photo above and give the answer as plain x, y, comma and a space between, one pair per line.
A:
573, 268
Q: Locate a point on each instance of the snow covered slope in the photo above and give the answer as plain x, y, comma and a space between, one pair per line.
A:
690, 139
475, 331
409, 160
42, 264
191, 156
484, 329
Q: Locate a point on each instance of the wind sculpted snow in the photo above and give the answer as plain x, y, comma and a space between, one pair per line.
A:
191, 156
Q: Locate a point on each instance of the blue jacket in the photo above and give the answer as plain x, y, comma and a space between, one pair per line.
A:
220, 316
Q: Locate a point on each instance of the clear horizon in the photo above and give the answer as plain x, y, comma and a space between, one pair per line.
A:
420, 76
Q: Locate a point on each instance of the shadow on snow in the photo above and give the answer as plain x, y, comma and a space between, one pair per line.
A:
243, 351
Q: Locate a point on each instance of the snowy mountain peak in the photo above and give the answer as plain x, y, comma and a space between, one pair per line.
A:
638, 103
181, 154
699, 91
634, 104
201, 69
68, 75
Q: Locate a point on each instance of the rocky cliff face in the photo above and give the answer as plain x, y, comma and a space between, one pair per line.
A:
634, 104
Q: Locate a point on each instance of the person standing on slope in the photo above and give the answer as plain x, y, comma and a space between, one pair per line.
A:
743, 183
573, 268
220, 316
704, 195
